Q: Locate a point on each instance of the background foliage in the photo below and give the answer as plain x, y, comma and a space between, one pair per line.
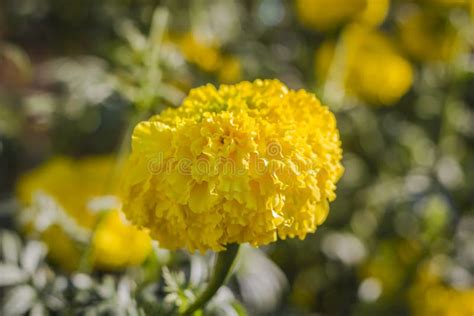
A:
76, 76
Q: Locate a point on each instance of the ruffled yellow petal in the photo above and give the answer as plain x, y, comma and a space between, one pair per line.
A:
242, 163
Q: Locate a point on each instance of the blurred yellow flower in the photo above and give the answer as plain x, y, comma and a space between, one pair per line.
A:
205, 55
230, 71
323, 15
117, 244
427, 36
367, 64
62, 249
242, 163
75, 193
429, 296
374, 13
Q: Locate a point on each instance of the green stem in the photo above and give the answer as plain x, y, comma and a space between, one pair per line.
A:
222, 268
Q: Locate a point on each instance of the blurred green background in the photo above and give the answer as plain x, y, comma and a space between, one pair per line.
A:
75, 76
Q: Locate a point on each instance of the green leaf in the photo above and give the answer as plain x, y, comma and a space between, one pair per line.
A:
135, 39
32, 256
19, 300
11, 274
10, 247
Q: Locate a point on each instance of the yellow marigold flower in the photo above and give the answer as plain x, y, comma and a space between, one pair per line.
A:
427, 36
323, 15
75, 193
429, 296
367, 64
242, 163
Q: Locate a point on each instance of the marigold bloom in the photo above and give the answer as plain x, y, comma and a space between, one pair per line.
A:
242, 163
323, 15
75, 193
368, 65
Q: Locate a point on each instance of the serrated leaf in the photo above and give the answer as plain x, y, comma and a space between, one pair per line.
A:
40, 278
60, 283
10, 247
158, 27
38, 309
107, 288
11, 274
19, 300
124, 293
32, 255
170, 283
55, 301
82, 281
